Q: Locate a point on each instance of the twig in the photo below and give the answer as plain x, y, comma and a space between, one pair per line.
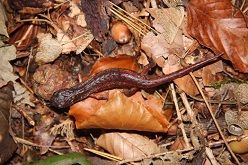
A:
187, 106
210, 156
56, 152
156, 155
26, 142
131, 18
96, 51
26, 33
213, 101
218, 108
220, 142
242, 5
212, 144
215, 121
154, 4
26, 86
103, 154
25, 115
181, 126
30, 57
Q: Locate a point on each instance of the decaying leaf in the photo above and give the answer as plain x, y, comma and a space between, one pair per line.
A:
78, 44
155, 46
7, 54
120, 112
22, 95
49, 49
23, 36
167, 21
30, 7
49, 78
239, 91
127, 146
221, 27
42, 135
209, 72
7, 144
3, 19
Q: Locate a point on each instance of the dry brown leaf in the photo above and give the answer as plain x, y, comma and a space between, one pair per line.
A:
209, 72
7, 53
42, 135
119, 61
3, 19
179, 144
167, 21
155, 46
120, 112
220, 27
80, 41
22, 95
49, 49
49, 78
185, 83
127, 146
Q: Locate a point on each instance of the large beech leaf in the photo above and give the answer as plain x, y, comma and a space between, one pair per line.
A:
221, 27
121, 112
119, 61
127, 146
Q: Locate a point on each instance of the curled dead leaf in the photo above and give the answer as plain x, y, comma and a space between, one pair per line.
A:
120, 112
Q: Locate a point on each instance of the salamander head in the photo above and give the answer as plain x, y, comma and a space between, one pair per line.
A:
62, 99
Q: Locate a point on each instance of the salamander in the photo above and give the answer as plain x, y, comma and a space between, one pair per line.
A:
118, 78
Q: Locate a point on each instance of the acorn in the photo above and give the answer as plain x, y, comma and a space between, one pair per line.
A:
120, 32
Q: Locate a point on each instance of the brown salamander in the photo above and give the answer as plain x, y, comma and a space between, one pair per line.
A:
117, 78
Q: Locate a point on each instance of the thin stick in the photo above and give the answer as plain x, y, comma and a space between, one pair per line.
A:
181, 126
218, 108
103, 154
187, 106
122, 16
155, 31
213, 101
26, 142
156, 155
212, 144
210, 156
128, 22
30, 57
215, 121
26, 116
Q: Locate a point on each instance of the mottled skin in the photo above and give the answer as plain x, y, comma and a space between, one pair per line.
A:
117, 78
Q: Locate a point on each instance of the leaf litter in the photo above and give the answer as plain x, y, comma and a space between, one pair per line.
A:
58, 44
